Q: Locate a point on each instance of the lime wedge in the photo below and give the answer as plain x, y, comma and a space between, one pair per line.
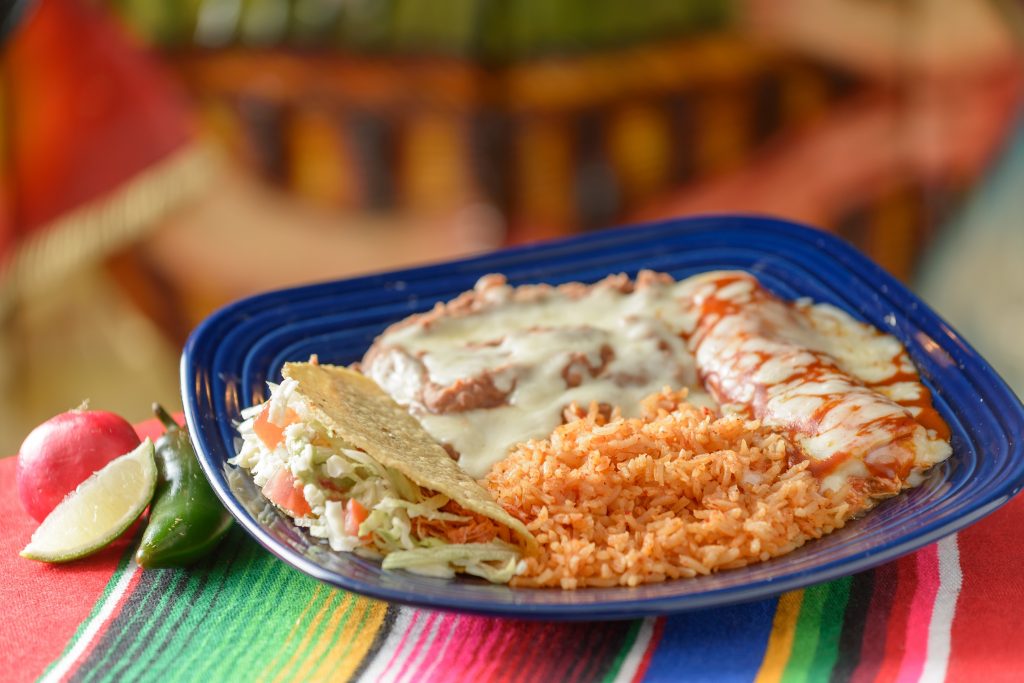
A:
98, 511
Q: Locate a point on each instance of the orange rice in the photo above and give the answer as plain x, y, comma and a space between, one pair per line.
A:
675, 493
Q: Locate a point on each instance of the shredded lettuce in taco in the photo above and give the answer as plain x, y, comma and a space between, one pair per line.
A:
335, 453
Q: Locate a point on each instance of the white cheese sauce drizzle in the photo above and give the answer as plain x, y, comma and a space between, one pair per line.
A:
517, 357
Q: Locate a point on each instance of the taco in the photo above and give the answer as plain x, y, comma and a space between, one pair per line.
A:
333, 451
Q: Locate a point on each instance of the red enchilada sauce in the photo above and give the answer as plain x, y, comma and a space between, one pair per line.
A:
763, 358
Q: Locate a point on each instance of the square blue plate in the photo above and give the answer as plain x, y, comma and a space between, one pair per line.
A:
233, 353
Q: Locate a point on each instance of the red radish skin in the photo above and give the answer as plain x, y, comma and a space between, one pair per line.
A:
61, 453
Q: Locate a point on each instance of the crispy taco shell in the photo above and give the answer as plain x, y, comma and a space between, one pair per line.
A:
352, 407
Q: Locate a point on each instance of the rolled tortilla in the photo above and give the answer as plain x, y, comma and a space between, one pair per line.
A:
764, 357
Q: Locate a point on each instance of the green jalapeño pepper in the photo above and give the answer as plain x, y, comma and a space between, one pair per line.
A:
186, 521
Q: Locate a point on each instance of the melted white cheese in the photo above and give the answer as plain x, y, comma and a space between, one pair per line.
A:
523, 341
525, 347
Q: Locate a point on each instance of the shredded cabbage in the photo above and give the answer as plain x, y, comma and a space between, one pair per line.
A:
331, 472
494, 561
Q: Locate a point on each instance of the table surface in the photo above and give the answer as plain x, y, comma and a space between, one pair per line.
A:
954, 610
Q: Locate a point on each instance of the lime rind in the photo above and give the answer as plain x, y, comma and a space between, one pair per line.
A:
99, 510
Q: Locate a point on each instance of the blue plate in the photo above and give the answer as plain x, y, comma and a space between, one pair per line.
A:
233, 353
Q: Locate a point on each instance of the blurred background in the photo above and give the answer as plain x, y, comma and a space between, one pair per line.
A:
160, 159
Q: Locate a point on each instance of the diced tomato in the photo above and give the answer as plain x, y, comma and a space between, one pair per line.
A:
281, 490
355, 514
268, 432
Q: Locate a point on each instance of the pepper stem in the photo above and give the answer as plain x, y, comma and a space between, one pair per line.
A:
165, 417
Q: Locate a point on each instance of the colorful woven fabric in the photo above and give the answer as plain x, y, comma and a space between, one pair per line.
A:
953, 611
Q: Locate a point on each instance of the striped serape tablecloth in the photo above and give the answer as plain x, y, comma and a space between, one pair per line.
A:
953, 611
